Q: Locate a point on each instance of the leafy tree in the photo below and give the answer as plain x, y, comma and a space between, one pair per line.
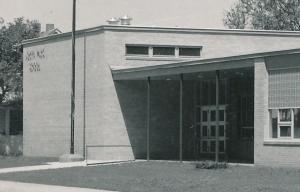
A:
264, 14
11, 62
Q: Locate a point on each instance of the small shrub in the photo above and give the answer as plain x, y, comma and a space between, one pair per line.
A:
211, 165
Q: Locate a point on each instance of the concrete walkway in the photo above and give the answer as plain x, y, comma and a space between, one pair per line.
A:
51, 165
32, 187
60, 165
6, 186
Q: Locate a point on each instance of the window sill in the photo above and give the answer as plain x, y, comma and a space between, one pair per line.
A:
281, 142
159, 58
190, 57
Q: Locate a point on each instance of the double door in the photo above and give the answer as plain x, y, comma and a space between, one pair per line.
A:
207, 124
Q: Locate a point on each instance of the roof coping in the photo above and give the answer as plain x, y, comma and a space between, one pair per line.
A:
133, 28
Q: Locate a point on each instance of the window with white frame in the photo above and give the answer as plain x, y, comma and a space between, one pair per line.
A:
284, 103
170, 51
285, 123
137, 50
189, 51
164, 51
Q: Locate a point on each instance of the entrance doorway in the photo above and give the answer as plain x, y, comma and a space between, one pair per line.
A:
236, 116
205, 120
208, 128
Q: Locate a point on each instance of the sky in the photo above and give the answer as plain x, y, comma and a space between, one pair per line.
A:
91, 13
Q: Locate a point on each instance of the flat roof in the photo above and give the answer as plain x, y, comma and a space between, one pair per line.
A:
219, 63
132, 28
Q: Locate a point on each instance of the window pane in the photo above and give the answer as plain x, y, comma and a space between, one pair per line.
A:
136, 50
285, 114
163, 51
221, 115
213, 115
204, 131
213, 131
274, 121
297, 123
221, 146
189, 51
204, 116
204, 146
285, 131
221, 131
212, 146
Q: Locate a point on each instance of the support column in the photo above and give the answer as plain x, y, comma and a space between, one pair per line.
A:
217, 116
261, 111
148, 117
180, 118
73, 79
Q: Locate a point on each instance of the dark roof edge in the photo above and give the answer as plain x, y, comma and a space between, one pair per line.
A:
166, 29
207, 61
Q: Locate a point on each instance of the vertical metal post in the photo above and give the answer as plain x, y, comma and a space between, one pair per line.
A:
73, 77
148, 117
217, 116
84, 93
180, 117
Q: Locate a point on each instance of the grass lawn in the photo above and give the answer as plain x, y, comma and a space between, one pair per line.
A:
20, 161
163, 176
